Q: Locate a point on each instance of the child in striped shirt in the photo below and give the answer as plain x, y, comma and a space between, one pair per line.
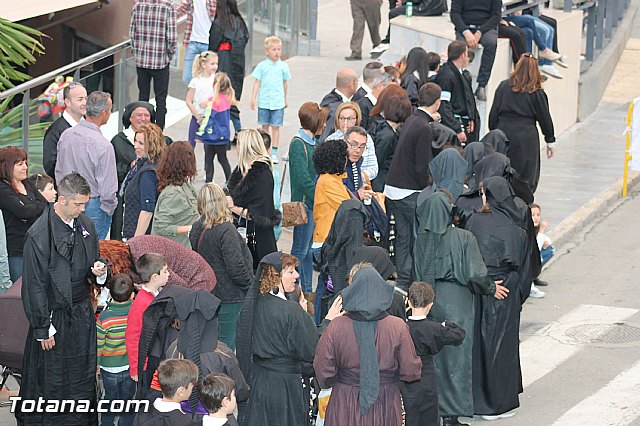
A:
112, 353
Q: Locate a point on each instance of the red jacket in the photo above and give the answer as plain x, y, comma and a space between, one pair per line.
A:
134, 327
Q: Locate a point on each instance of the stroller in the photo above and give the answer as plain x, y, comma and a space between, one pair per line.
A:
13, 334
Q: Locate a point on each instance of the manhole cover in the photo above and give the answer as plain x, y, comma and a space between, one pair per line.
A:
617, 333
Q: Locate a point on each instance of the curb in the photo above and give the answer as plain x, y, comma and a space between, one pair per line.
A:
565, 235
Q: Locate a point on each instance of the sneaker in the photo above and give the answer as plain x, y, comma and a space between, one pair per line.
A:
275, 159
549, 54
551, 71
500, 416
379, 48
536, 293
562, 61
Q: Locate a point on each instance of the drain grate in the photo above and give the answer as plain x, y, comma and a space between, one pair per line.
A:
617, 333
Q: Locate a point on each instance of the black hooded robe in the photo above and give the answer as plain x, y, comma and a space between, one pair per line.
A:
516, 114
55, 291
448, 258
506, 249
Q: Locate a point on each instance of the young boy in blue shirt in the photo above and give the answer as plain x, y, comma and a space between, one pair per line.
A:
270, 91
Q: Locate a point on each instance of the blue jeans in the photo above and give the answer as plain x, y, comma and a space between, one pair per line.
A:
301, 248
15, 267
537, 31
100, 218
194, 48
118, 386
546, 254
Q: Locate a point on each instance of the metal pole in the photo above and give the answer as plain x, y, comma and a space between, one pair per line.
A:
591, 23
610, 18
600, 24
272, 17
25, 119
627, 153
121, 87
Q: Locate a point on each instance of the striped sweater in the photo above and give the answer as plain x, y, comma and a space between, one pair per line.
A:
111, 327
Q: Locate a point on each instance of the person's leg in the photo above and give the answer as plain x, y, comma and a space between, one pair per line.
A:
545, 33
193, 128
161, 89
190, 53
227, 319
111, 392
516, 38
127, 392
404, 213
553, 24
373, 19
358, 27
144, 84
235, 118
15, 267
320, 287
546, 254
276, 121
489, 42
301, 248
209, 154
100, 219
221, 152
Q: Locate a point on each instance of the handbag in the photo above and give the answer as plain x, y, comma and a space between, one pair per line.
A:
294, 213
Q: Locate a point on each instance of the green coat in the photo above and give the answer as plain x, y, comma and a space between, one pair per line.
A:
176, 206
302, 171
449, 259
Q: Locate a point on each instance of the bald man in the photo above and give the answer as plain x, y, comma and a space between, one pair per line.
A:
346, 87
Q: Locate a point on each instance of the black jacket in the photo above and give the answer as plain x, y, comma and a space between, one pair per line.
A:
255, 193
385, 140
19, 212
225, 251
410, 165
460, 100
331, 101
366, 106
50, 145
482, 14
360, 93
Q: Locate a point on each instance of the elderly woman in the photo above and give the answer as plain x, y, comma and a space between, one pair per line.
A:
219, 243
362, 354
302, 174
274, 336
176, 206
519, 103
251, 189
141, 184
348, 115
20, 202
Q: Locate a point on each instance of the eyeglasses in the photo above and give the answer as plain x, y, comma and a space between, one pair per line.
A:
356, 146
347, 118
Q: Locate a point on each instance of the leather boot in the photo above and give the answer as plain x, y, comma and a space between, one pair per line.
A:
310, 297
451, 421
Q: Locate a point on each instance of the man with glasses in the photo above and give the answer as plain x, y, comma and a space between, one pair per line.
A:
75, 101
346, 87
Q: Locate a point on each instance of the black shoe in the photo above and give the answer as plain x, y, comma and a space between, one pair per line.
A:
452, 421
481, 93
540, 283
353, 57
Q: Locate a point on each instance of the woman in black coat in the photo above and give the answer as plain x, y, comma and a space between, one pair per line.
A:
518, 104
228, 37
415, 74
251, 189
219, 243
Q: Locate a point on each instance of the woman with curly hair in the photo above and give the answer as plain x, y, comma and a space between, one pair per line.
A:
274, 336
141, 184
251, 189
519, 103
176, 208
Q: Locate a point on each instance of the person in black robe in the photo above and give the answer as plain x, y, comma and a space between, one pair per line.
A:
274, 336
420, 398
60, 254
447, 171
458, 107
519, 103
228, 37
449, 259
502, 234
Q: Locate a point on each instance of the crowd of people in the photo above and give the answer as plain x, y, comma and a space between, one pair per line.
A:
425, 237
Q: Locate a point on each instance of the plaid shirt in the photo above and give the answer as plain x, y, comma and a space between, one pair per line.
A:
187, 8
153, 33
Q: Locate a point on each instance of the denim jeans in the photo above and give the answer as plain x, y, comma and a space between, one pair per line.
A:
194, 48
100, 218
118, 386
537, 31
301, 248
546, 254
15, 267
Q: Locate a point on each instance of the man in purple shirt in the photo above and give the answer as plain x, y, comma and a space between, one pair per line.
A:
85, 150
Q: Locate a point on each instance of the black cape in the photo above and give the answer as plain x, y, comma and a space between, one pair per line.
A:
457, 100
517, 114
506, 250
231, 61
448, 258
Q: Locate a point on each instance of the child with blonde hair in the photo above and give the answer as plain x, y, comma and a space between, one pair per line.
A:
270, 91
200, 89
214, 129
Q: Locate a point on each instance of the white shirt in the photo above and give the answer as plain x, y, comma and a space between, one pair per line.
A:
371, 98
201, 22
417, 317
279, 294
213, 421
394, 193
203, 90
69, 119
343, 96
130, 134
166, 406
